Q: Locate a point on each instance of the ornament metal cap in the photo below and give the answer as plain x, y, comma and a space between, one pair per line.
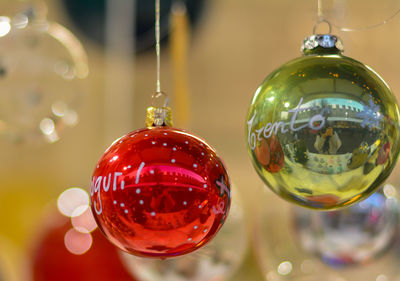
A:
159, 115
322, 44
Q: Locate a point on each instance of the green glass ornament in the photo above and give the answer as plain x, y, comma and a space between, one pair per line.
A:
322, 131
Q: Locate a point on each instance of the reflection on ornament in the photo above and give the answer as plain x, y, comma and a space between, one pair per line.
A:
160, 192
41, 68
71, 248
384, 153
336, 122
349, 236
269, 154
218, 260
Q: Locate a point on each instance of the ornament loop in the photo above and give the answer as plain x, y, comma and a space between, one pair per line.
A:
157, 96
319, 22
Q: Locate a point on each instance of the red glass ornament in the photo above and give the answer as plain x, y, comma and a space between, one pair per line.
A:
160, 192
53, 261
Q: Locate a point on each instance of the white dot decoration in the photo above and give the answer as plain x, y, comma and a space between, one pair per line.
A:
199, 206
186, 142
195, 227
202, 154
115, 202
174, 148
205, 230
205, 185
164, 144
172, 160
138, 191
153, 142
122, 205
189, 239
152, 172
184, 203
126, 211
153, 214
190, 189
165, 134
195, 165
141, 202
146, 135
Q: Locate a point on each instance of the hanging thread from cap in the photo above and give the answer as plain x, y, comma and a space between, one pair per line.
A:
158, 114
158, 89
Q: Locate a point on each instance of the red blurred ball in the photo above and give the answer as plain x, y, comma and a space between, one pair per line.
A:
160, 192
56, 255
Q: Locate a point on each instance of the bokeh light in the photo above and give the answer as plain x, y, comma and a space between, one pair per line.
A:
73, 202
77, 242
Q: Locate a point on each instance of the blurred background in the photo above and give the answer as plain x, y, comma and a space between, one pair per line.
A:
73, 77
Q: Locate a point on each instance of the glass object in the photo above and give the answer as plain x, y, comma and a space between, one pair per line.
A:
41, 68
323, 130
356, 243
352, 235
159, 191
218, 260
350, 15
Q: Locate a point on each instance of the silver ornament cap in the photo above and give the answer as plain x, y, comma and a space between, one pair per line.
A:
322, 41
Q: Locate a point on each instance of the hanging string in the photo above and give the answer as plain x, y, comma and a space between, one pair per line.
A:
158, 89
319, 12
321, 18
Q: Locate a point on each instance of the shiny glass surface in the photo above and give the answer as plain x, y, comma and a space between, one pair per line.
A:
360, 242
218, 260
160, 192
352, 235
345, 15
42, 65
323, 130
